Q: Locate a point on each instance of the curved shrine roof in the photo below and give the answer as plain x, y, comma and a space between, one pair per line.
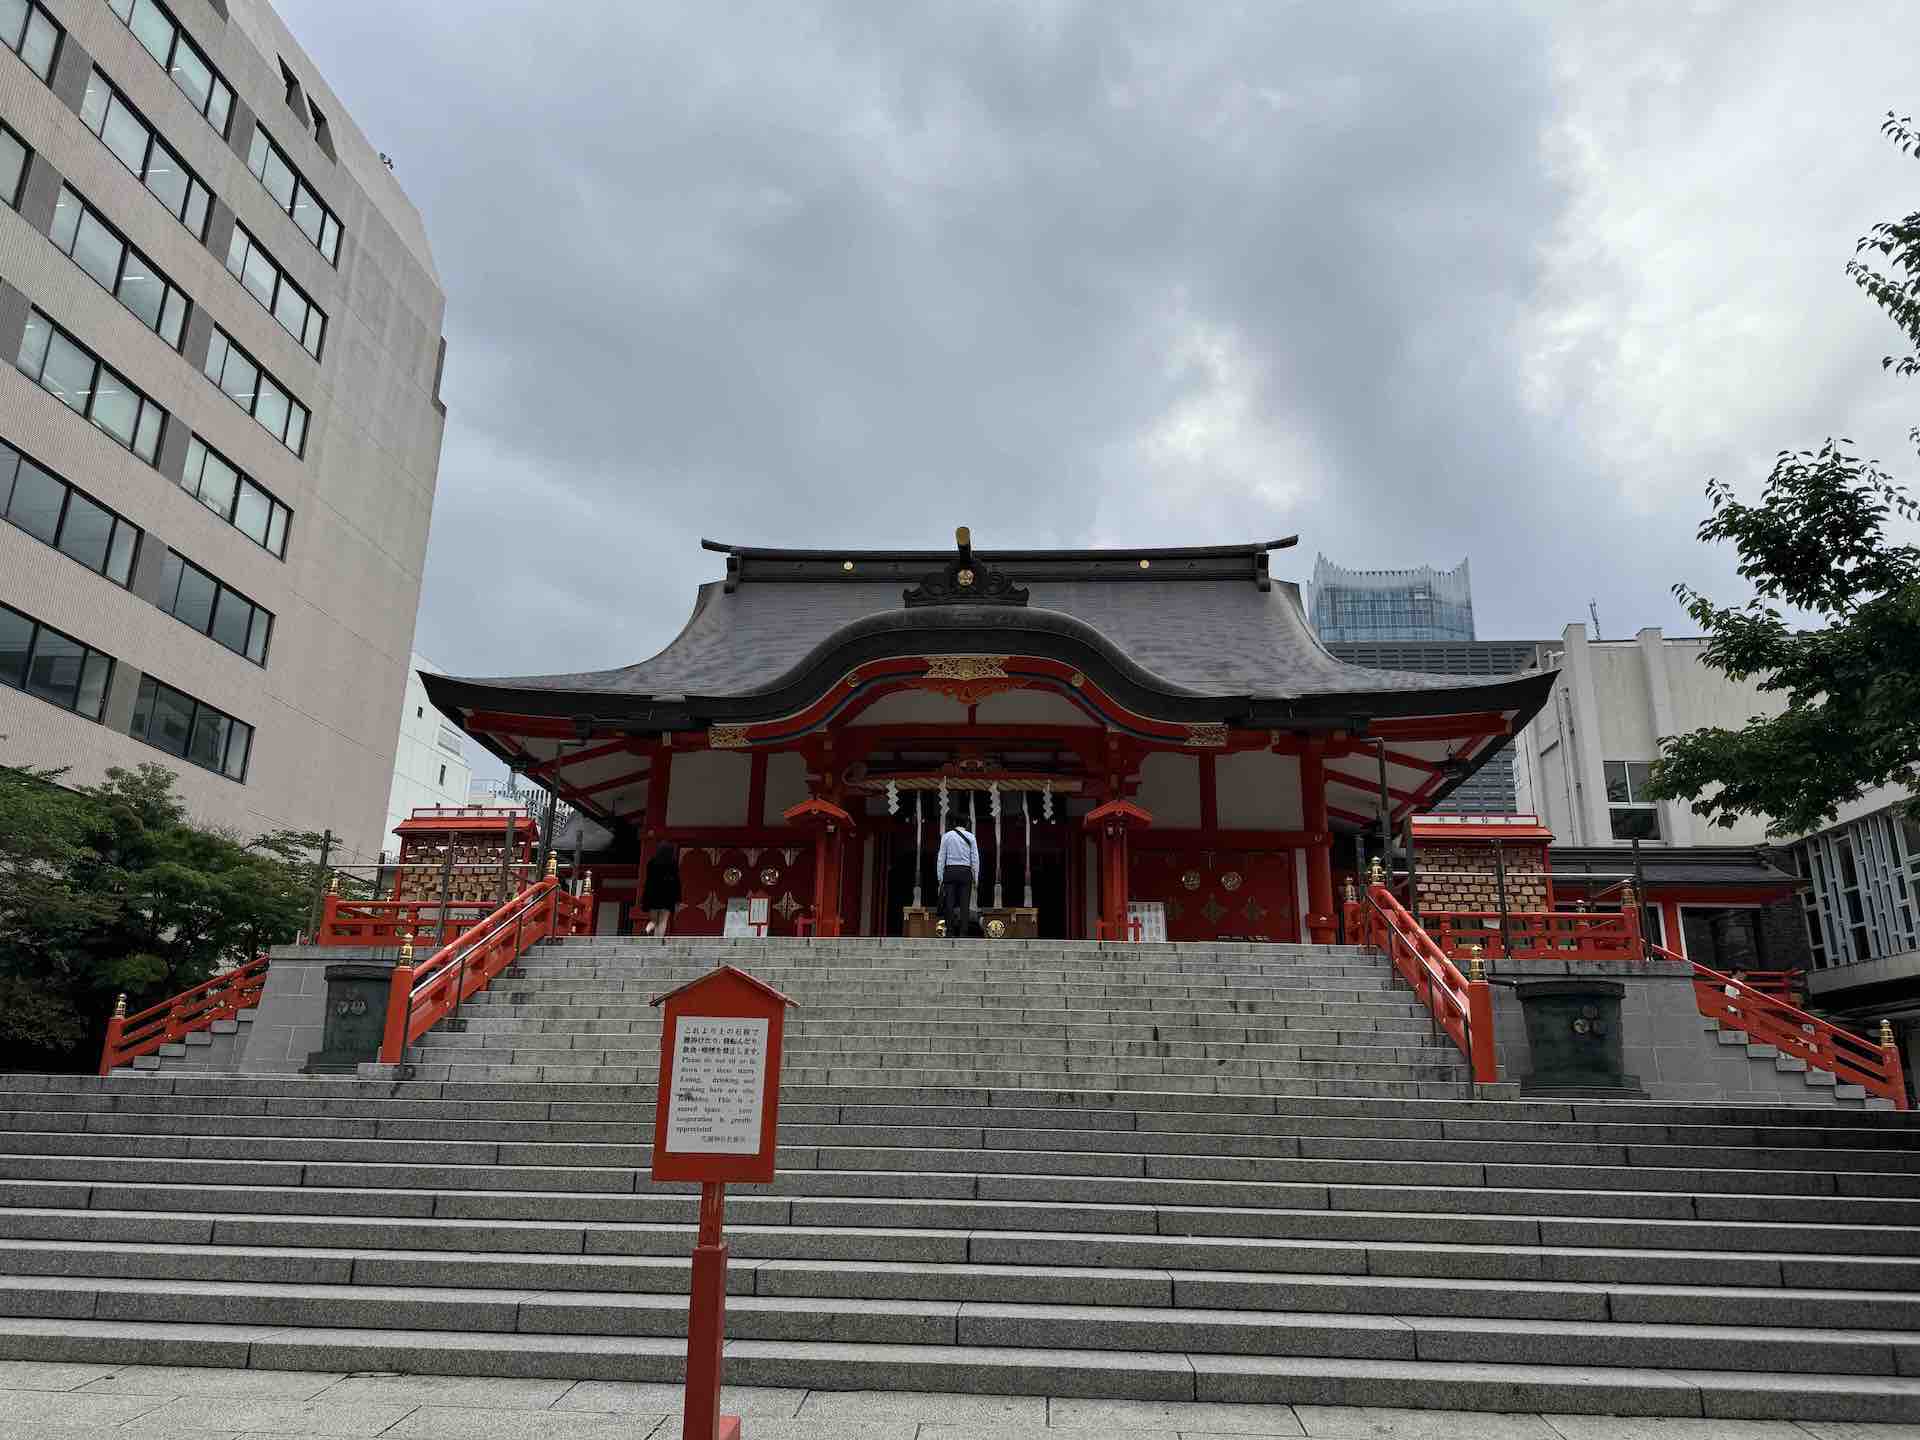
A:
1185, 632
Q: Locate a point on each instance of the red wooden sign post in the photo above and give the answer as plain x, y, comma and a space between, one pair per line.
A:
716, 1119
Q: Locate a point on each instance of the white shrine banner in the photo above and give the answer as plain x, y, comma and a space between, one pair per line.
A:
739, 921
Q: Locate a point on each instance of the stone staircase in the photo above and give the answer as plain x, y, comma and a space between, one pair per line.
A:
1223, 1173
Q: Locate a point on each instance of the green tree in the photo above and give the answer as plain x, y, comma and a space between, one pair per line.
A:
112, 888
1819, 545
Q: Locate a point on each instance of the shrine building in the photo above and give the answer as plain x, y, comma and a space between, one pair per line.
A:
1125, 726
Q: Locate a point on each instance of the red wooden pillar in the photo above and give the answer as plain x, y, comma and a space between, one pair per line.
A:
831, 826
1111, 822
1321, 927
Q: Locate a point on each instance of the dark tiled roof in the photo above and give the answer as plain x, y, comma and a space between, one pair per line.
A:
1674, 865
1198, 637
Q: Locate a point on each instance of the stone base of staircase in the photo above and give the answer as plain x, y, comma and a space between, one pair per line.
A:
1091, 1171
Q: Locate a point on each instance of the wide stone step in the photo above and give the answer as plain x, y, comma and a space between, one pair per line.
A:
984, 1284
986, 1370
1168, 1330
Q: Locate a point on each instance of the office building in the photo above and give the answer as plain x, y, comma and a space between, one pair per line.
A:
1373, 605
221, 428
430, 765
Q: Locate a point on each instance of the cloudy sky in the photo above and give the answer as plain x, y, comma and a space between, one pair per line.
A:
1414, 281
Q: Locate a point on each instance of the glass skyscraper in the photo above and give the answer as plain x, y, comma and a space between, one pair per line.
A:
1374, 605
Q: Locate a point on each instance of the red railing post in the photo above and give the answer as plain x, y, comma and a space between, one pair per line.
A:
1485, 1059
116, 1028
1896, 1073
393, 1044
329, 912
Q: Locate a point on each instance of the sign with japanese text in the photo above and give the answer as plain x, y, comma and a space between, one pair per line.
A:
718, 1109
719, 1084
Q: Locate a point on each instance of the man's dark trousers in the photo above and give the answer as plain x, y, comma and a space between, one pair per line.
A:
956, 900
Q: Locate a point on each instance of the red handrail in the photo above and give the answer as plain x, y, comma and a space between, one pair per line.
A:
423, 995
1460, 1006
221, 998
1538, 934
1768, 1020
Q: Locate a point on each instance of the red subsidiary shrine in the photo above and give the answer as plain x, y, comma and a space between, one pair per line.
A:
796, 737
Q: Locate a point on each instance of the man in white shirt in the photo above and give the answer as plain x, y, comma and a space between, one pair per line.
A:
954, 867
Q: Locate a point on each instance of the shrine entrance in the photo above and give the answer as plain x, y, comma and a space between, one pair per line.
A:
1021, 824
1038, 882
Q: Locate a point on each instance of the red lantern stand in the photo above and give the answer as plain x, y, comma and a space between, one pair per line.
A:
716, 1120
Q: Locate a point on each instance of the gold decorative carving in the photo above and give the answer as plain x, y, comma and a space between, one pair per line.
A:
768, 876
996, 928
1076, 680
1191, 879
965, 577
732, 875
969, 679
1208, 736
727, 737
1231, 880
966, 667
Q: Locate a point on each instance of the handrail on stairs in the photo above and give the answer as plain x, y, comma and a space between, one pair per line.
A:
1768, 1020
423, 995
172, 1020
1461, 1005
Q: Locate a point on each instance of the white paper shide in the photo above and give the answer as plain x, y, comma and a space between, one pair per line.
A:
719, 1085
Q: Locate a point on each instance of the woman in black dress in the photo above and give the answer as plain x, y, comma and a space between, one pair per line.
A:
660, 897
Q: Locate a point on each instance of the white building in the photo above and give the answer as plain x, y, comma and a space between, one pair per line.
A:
220, 420
1863, 904
1582, 764
430, 761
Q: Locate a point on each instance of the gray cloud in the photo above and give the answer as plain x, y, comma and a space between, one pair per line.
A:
1415, 281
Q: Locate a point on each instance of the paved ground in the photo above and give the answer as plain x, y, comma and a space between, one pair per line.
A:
136, 1402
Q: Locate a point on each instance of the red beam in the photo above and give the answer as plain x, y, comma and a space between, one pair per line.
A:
579, 757
1414, 762
540, 727
1372, 787
613, 784
1439, 727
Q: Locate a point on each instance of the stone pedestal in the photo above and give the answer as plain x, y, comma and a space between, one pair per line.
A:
290, 1021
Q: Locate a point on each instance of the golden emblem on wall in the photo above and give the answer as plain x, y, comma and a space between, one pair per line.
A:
1231, 880
768, 876
1208, 736
1191, 879
965, 577
996, 928
731, 875
727, 737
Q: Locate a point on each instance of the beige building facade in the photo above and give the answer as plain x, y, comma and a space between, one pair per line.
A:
1581, 765
220, 431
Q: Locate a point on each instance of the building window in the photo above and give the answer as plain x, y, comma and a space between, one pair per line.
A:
13, 162
263, 278
51, 665
175, 722
1632, 815
443, 777
273, 170
217, 483
71, 521
214, 608
240, 377
28, 31
138, 146
84, 236
167, 42
78, 379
